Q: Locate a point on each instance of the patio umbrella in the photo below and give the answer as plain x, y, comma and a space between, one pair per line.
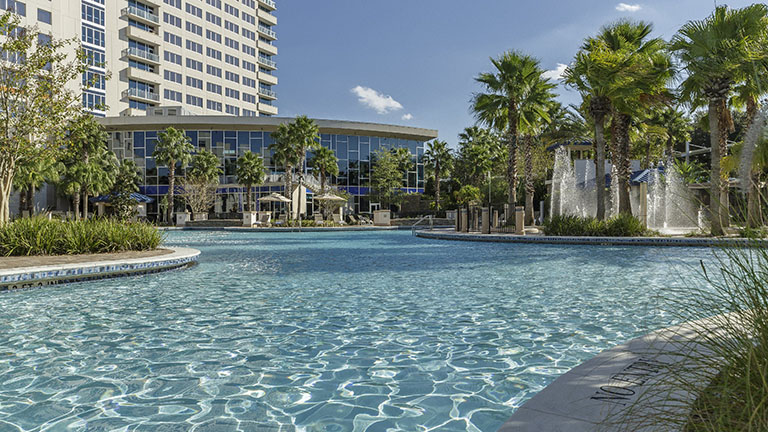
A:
275, 197
329, 197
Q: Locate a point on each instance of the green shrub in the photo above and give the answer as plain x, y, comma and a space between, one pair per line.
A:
623, 225
40, 236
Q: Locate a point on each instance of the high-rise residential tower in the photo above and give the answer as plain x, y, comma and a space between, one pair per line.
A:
210, 57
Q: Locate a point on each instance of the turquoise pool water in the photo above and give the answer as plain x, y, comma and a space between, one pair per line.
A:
371, 331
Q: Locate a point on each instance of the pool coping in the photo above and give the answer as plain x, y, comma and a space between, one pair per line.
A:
295, 229
38, 276
597, 241
601, 391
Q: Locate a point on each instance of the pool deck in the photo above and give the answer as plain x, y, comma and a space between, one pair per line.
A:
450, 234
303, 229
600, 392
27, 272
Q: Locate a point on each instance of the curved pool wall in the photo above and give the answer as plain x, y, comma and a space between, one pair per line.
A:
326, 331
38, 276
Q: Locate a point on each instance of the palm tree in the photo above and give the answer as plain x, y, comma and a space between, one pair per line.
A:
714, 52
439, 156
479, 152
31, 174
500, 106
307, 137
593, 75
173, 147
534, 115
285, 154
250, 172
640, 81
325, 161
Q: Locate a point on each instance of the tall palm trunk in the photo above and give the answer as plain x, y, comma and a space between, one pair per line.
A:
437, 186
600, 162
85, 204
623, 168
528, 172
76, 204
726, 126
754, 210
171, 186
31, 200
289, 189
22, 201
512, 157
714, 179
248, 198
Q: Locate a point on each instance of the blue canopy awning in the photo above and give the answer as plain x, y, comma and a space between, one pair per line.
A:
139, 198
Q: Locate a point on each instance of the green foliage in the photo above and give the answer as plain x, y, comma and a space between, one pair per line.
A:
692, 172
623, 225
325, 161
204, 167
36, 98
201, 181
387, 175
40, 236
250, 171
468, 194
126, 183
173, 148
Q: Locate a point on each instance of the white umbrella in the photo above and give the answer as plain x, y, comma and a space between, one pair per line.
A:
275, 197
329, 197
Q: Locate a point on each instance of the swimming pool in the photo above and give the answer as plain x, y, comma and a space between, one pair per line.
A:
363, 331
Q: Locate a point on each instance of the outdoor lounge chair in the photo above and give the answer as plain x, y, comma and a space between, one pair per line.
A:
264, 220
280, 220
364, 220
337, 219
319, 218
353, 220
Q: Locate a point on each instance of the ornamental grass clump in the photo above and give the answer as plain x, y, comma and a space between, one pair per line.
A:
40, 236
623, 225
717, 380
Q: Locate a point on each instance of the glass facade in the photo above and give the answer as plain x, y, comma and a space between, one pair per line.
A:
353, 151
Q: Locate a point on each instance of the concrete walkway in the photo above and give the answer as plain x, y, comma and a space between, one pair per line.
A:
17, 262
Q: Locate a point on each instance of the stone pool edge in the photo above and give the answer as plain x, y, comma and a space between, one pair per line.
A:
596, 241
28, 277
597, 393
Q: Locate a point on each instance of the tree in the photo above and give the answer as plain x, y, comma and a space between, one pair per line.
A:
643, 73
468, 194
89, 165
306, 135
173, 148
31, 174
325, 161
201, 181
439, 156
250, 172
714, 52
126, 182
500, 106
36, 99
387, 176
534, 115
285, 154
480, 152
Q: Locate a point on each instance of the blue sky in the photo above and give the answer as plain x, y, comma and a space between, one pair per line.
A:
413, 62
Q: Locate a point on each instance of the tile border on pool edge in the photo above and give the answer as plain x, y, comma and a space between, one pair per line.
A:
598, 392
597, 241
28, 277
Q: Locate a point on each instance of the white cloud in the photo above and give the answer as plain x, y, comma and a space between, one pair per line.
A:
556, 73
624, 7
371, 98
408, 116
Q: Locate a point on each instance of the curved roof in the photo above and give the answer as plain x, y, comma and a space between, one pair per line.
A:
268, 124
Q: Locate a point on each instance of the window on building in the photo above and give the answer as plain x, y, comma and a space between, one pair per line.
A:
249, 113
213, 105
94, 101
174, 3
231, 43
232, 10
172, 19
194, 64
249, 50
234, 28
231, 76
194, 46
194, 101
232, 60
232, 93
43, 16
251, 67
172, 76
93, 36
17, 7
233, 110
172, 38
213, 88
194, 82
172, 95
213, 70
250, 82
194, 10
194, 28
213, 19
213, 53
250, 19
247, 97
172, 57
212, 35
141, 65
249, 34
94, 58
